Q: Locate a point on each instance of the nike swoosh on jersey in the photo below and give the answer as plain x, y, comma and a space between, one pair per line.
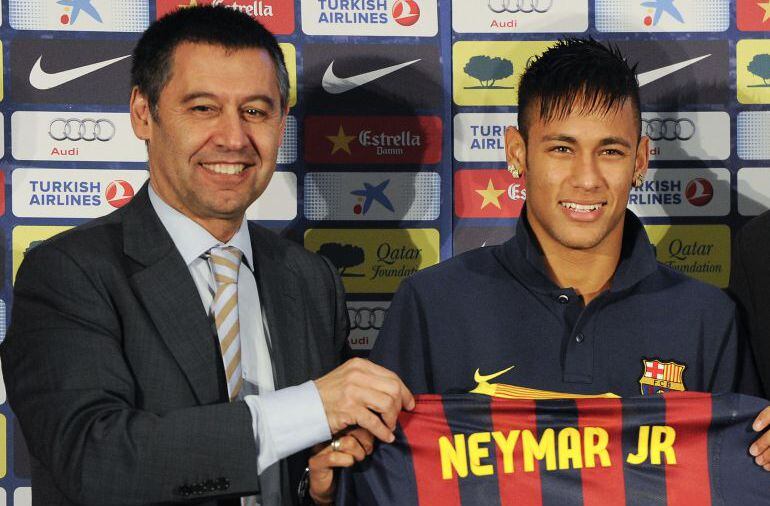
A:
336, 85
42, 80
655, 74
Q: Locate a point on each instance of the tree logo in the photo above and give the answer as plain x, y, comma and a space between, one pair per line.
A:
343, 256
488, 70
760, 67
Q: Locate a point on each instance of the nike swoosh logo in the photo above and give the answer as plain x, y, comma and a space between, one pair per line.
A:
336, 85
655, 74
42, 80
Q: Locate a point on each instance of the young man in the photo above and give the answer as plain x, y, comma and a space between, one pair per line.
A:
575, 302
165, 352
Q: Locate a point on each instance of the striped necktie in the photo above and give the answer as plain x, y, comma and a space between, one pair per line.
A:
225, 262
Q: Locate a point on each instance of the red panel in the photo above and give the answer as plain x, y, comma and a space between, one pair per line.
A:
275, 15
603, 485
519, 487
488, 194
373, 139
423, 440
688, 481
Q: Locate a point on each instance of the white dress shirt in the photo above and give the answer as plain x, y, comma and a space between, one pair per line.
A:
284, 421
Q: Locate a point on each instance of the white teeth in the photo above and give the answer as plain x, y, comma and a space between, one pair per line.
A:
225, 168
581, 208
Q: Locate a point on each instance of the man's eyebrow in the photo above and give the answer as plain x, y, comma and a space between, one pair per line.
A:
560, 138
615, 140
572, 140
252, 98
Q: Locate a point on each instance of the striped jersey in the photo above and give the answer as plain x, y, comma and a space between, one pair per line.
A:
465, 449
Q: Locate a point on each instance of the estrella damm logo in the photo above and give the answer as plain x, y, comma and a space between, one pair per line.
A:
700, 251
659, 377
27, 237
375, 260
752, 63
290, 57
488, 72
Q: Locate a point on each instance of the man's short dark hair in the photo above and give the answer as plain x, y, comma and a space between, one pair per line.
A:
576, 75
219, 26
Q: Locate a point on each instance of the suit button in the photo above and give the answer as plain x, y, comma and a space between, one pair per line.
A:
579, 338
563, 299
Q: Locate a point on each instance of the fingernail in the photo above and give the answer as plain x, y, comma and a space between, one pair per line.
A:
753, 450
391, 438
757, 426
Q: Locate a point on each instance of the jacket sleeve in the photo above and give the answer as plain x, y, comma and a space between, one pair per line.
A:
403, 343
73, 391
740, 291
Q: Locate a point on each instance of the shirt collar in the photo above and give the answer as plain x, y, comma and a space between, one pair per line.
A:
191, 239
522, 256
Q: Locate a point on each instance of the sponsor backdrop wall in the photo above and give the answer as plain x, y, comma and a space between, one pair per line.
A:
393, 156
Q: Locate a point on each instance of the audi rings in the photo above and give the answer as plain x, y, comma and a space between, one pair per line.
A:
514, 6
87, 129
366, 318
669, 129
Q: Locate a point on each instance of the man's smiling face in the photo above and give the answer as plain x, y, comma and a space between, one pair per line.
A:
579, 172
214, 139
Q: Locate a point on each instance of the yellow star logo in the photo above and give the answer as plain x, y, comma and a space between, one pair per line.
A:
491, 195
341, 141
766, 7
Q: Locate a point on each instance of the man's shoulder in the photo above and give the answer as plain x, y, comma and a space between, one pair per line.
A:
756, 233
469, 267
680, 288
291, 253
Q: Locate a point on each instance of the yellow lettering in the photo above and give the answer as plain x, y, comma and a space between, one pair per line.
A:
570, 456
476, 453
662, 441
642, 445
543, 449
453, 457
506, 445
595, 445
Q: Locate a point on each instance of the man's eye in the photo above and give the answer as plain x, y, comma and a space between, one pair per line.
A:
613, 152
254, 112
560, 149
202, 108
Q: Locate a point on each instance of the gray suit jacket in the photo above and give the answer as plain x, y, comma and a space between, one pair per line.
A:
114, 371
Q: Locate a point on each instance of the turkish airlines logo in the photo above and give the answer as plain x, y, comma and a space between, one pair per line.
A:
119, 193
406, 12
699, 192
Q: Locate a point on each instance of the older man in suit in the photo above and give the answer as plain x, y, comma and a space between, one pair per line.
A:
165, 352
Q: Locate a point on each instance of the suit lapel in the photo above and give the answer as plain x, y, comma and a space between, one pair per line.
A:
168, 293
279, 295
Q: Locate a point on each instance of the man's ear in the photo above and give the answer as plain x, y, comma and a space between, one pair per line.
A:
642, 158
141, 118
515, 150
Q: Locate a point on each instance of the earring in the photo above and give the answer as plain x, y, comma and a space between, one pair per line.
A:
514, 170
638, 180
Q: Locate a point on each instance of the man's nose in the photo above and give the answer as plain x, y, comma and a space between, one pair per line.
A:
231, 132
586, 173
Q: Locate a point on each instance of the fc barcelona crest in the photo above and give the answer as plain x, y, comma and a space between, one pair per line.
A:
660, 377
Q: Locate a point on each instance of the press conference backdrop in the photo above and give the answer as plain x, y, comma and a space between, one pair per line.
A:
407, 168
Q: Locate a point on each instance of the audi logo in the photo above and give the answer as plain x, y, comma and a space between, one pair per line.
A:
81, 129
669, 129
366, 318
513, 6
